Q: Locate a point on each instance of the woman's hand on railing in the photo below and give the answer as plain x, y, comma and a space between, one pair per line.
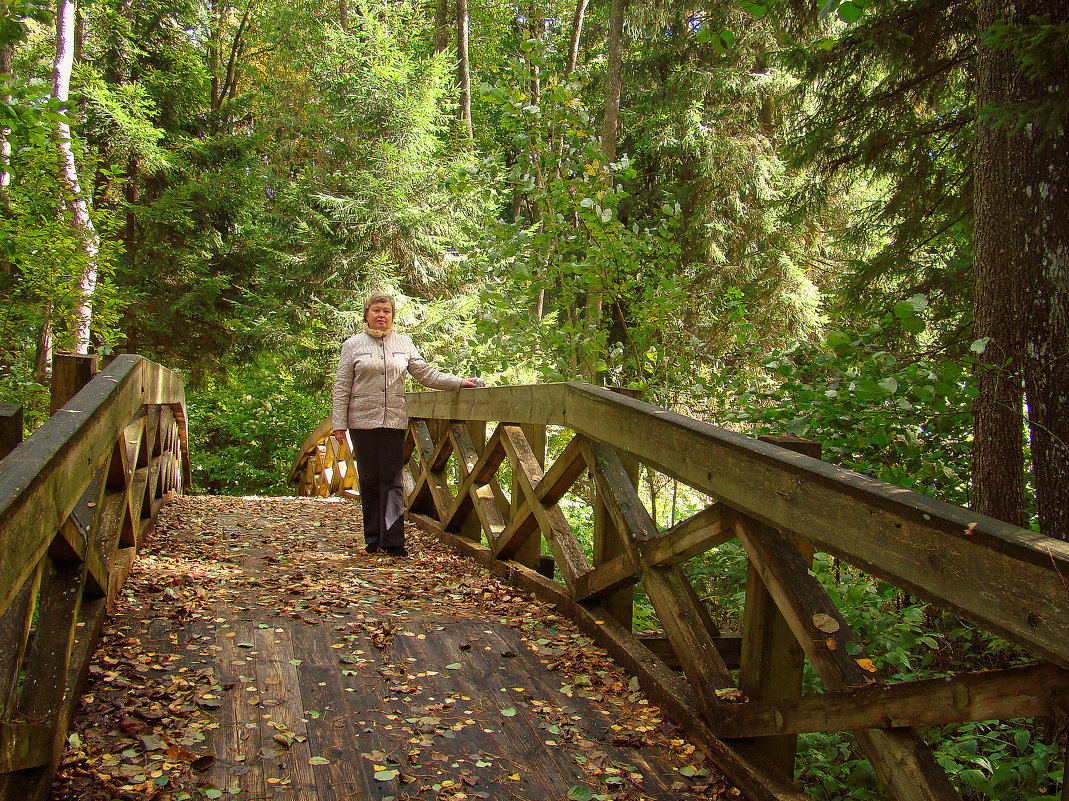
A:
472, 382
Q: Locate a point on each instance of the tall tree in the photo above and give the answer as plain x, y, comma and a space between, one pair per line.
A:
74, 199
576, 36
441, 26
998, 452
1028, 94
7, 53
614, 51
464, 67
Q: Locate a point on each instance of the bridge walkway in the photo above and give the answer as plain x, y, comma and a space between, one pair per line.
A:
259, 653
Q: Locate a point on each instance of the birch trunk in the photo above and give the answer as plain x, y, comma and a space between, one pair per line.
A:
577, 33
6, 58
610, 122
73, 197
464, 67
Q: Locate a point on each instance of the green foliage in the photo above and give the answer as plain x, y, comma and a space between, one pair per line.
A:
246, 427
901, 418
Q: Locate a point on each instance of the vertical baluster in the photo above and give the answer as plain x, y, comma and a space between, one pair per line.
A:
70, 372
10, 427
772, 660
472, 527
530, 553
607, 543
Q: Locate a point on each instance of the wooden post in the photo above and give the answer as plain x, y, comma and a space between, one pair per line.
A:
607, 543
70, 372
472, 528
772, 660
530, 553
10, 427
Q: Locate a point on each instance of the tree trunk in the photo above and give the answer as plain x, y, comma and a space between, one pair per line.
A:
68, 173
464, 67
215, 20
343, 14
7, 53
441, 26
577, 33
1033, 198
1041, 212
42, 359
613, 80
998, 441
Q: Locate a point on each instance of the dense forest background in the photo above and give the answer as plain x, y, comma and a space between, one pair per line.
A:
847, 221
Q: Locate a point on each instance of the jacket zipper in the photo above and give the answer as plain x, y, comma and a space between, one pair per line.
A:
385, 383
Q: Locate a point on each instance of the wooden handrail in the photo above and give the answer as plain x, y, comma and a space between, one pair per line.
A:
780, 505
76, 500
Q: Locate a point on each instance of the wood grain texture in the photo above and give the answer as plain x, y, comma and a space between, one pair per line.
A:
931, 549
900, 757
1028, 692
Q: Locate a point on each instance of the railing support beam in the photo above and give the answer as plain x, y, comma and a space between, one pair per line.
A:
772, 660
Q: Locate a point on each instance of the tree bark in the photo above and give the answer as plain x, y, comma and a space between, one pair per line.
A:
1041, 211
613, 79
998, 439
441, 26
73, 197
577, 33
215, 20
464, 67
7, 53
1033, 199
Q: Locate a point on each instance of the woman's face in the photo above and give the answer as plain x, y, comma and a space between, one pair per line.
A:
380, 316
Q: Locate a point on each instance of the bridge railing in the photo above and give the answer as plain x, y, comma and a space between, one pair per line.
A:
739, 694
76, 500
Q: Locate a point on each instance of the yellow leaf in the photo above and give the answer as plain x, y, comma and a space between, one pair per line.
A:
867, 665
831, 644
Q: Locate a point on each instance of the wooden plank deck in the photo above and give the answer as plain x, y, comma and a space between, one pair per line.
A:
258, 653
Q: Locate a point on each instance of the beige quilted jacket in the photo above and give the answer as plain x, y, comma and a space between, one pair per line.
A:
369, 386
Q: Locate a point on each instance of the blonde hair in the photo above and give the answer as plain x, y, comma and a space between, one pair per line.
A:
379, 297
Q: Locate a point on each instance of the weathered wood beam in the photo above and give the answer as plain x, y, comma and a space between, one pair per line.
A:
435, 480
15, 625
773, 662
900, 757
931, 549
1026, 692
10, 427
554, 526
682, 618
24, 745
729, 645
550, 489
44, 478
708, 528
70, 372
476, 470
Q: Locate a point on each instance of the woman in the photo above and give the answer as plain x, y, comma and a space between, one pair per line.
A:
369, 400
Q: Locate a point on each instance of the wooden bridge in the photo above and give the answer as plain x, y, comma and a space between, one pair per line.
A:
276, 608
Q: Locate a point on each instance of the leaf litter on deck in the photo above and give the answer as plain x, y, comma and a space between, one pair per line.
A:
151, 715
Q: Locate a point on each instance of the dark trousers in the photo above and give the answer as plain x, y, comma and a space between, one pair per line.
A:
379, 454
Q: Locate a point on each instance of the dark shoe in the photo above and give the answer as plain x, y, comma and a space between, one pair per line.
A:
397, 550
371, 549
